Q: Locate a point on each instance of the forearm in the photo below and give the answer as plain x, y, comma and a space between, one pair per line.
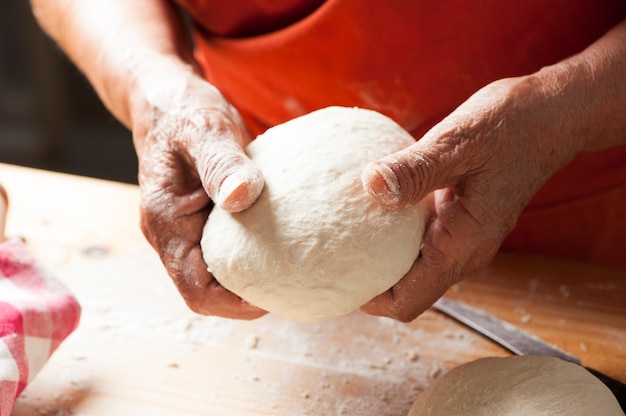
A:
116, 42
590, 90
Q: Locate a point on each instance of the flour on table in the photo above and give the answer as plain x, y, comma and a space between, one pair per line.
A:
314, 245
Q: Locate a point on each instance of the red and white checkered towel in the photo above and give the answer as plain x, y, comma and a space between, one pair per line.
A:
36, 314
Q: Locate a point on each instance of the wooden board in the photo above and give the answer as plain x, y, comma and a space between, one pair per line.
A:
140, 351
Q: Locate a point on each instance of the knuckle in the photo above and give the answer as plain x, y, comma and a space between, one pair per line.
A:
405, 316
196, 306
146, 225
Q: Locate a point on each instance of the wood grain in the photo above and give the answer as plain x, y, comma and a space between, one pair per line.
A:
140, 351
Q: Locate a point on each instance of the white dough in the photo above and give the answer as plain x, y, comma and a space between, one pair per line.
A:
314, 245
517, 386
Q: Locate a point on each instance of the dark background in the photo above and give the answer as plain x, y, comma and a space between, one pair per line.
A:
50, 117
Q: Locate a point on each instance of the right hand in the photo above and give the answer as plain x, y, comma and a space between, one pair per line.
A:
189, 144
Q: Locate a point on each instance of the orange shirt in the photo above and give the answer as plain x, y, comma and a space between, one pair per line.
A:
416, 61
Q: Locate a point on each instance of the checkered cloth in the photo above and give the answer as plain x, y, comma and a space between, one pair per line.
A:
36, 314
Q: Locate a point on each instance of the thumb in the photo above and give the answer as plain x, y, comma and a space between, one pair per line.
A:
406, 177
229, 177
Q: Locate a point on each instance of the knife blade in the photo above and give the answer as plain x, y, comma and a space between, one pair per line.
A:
518, 341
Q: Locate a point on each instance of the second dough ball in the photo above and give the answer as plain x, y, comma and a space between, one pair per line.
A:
517, 386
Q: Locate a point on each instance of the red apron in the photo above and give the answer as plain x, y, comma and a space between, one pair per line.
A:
416, 61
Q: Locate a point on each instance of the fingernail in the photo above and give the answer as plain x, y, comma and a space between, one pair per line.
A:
239, 190
382, 184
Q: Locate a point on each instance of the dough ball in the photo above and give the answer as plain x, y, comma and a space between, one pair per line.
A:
314, 246
517, 386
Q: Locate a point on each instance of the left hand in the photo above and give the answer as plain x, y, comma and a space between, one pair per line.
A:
189, 142
476, 170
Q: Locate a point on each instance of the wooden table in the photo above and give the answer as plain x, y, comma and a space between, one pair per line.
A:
140, 351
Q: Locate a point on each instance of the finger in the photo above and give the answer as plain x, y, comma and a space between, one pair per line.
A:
204, 295
406, 177
228, 175
233, 183
429, 278
467, 245
176, 236
426, 282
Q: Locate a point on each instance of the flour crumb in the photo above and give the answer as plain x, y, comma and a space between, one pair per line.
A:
435, 372
251, 341
417, 388
412, 355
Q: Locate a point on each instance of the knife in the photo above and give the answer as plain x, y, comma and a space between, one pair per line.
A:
518, 341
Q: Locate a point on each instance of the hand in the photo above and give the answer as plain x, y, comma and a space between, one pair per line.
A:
476, 171
189, 143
